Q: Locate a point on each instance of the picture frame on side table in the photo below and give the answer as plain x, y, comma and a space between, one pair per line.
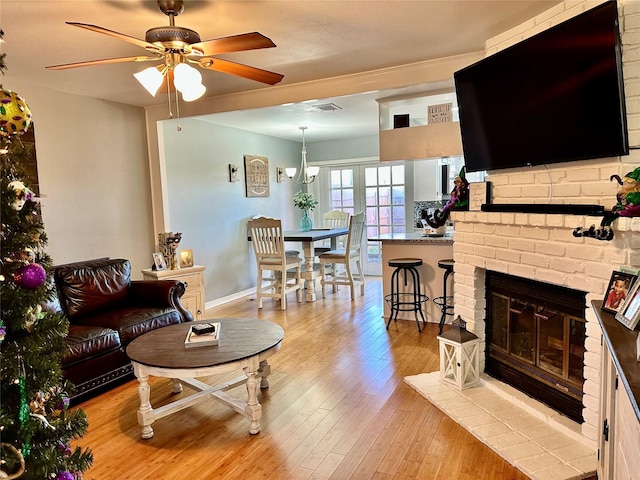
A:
617, 291
186, 258
159, 263
629, 313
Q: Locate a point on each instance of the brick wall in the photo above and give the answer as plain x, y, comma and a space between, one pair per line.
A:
542, 247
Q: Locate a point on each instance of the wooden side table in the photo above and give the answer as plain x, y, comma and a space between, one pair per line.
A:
193, 277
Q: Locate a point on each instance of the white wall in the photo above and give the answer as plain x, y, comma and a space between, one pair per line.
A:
94, 176
211, 212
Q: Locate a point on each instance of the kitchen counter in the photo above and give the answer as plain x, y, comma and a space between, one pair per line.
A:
430, 249
416, 237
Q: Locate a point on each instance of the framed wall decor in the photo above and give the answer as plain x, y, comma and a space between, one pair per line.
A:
629, 312
617, 291
478, 195
159, 262
186, 258
256, 171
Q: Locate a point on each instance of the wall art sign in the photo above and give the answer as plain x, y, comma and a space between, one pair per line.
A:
478, 195
441, 113
256, 170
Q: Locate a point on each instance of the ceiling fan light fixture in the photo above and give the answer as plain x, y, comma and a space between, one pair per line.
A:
189, 81
186, 76
151, 79
194, 92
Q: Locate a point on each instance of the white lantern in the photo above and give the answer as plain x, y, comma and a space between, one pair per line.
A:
459, 356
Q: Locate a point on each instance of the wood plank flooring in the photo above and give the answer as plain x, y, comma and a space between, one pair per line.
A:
337, 408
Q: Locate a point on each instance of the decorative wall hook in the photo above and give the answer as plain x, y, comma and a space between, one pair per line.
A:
600, 233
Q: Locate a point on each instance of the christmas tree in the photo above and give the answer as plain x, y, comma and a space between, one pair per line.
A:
36, 424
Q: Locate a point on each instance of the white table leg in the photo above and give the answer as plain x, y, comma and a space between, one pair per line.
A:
253, 410
145, 412
264, 371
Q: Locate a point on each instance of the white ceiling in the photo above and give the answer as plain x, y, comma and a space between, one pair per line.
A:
315, 40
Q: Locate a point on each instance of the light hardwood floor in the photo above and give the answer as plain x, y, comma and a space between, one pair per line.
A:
337, 408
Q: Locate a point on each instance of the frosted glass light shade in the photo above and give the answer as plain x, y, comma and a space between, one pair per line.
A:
291, 172
313, 171
193, 92
185, 76
150, 78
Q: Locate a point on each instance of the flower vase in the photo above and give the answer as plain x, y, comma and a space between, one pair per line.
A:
306, 223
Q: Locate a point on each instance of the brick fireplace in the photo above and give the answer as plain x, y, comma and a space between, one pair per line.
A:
541, 247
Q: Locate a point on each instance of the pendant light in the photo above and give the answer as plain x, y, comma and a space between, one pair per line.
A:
307, 174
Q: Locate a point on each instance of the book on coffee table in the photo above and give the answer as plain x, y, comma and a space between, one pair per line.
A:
202, 335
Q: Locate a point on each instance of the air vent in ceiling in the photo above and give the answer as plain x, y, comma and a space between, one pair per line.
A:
327, 107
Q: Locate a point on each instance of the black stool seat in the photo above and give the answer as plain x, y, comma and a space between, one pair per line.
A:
405, 301
445, 302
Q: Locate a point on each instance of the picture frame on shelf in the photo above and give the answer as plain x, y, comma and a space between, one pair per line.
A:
159, 263
617, 291
186, 258
629, 313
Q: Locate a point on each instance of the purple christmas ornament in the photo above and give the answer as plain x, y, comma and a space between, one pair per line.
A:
64, 476
31, 276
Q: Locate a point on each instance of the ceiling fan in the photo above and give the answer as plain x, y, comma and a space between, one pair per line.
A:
179, 48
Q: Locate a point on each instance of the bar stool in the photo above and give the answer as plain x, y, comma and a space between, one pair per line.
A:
405, 301
445, 302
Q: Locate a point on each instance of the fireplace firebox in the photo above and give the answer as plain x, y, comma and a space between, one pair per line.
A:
535, 340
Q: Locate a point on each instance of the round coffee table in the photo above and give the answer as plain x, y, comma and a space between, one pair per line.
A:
244, 344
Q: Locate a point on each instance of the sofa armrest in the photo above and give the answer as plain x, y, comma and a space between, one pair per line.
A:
161, 293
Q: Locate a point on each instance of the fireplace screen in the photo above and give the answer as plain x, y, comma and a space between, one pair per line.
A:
536, 340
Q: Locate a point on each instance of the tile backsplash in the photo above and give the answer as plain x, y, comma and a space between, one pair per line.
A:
419, 206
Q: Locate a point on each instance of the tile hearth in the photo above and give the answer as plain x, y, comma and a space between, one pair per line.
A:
535, 439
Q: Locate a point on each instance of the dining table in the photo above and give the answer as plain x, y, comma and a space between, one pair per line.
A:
310, 269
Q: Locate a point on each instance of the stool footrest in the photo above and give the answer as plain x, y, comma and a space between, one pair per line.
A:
399, 301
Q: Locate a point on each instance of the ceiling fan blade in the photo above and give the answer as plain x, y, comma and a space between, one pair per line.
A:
119, 36
102, 62
245, 71
234, 43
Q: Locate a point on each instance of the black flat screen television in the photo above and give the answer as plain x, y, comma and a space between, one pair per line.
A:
557, 96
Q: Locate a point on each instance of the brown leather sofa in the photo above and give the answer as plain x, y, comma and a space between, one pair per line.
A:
106, 311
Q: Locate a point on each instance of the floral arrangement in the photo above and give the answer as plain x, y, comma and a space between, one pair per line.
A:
305, 201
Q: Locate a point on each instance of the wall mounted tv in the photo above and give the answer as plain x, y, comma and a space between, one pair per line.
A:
555, 97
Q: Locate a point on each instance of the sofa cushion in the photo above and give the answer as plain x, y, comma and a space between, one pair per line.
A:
85, 342
91, 286
134, 321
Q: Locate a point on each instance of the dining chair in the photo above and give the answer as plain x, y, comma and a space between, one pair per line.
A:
333, 219
268, 245
352, 252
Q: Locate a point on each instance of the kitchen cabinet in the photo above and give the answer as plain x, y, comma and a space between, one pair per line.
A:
619, 443
193, 277
433, 178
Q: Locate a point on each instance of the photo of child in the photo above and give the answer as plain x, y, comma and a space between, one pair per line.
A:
617, 291
617, 294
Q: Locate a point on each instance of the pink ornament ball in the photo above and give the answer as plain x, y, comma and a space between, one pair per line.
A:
31, 276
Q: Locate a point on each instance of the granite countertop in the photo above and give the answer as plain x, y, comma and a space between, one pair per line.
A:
414, 237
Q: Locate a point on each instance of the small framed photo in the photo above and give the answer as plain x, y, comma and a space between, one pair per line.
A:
629, 313
617, 291
159, 262
186, 258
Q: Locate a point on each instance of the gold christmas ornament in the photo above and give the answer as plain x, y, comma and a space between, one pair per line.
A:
15, 114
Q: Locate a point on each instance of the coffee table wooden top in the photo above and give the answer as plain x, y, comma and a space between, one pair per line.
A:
239, 338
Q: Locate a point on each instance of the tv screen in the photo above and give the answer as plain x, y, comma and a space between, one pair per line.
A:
555, 97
